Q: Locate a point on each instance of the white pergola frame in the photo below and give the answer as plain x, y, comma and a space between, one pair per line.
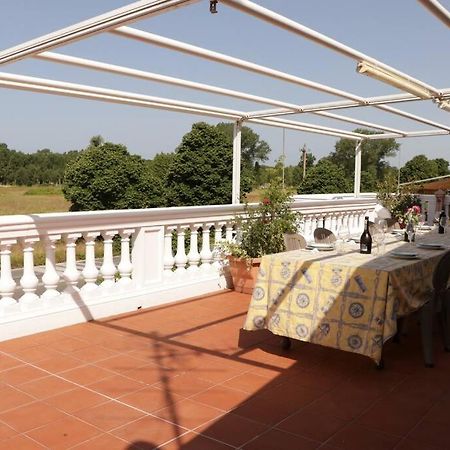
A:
115, 22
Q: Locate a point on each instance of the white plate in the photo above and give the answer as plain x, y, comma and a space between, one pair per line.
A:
430, 246
321, 246
404, 255
425, 227
397, 231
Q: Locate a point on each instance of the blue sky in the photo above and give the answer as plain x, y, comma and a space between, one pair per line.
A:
400, 33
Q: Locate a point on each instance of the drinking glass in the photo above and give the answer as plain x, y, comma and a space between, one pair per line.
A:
410, 232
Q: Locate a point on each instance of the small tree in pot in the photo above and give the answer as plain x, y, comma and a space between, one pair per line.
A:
260, 232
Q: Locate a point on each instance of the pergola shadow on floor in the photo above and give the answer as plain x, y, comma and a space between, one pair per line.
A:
184, 376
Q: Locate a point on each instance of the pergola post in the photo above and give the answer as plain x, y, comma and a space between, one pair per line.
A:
236, 191
357, 184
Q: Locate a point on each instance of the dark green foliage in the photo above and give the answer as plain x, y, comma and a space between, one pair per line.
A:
42, 167
106, 176
325, 178
201, 170
373, 155
421, 168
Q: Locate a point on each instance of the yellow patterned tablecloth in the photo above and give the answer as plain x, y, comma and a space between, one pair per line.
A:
347, 301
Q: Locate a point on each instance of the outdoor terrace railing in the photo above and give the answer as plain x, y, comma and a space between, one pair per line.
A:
155, 262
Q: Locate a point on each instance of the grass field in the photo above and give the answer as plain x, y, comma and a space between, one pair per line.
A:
32, 200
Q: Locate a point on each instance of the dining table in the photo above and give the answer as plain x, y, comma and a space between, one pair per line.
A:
341, 298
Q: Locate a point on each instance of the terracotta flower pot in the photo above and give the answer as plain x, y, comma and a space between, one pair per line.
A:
244, 273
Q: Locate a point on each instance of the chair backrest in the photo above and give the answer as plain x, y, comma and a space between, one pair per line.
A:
441, 275
293, 241
324, 235
392, 224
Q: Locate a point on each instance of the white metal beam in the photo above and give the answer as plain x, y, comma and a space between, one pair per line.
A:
294, 27
42, 85
438, 10
104, 22
357, 182
121, 70
236, 183
190, 49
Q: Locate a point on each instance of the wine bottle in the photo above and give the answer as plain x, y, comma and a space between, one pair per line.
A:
442, 221
365, 242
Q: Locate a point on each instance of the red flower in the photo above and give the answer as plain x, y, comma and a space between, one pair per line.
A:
416, 209
266, 201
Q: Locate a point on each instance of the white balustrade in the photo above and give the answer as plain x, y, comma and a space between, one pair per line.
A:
50, 277
193, 255
108, 269
206, 253
71, 274
169, 260
181, 258
7, 283
147, 273
29, 281
90, 271
125, 266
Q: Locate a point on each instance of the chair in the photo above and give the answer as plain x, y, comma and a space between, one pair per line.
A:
294, 241
439, 302
324, 236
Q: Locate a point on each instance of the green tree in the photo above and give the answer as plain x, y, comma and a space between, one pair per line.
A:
325, 178
442, 166
419, 168
253, 148
201, 170
106, 176
373, 155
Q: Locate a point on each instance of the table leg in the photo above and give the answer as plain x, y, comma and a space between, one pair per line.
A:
286, 343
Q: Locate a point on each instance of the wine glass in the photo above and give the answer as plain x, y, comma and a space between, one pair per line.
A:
410, 232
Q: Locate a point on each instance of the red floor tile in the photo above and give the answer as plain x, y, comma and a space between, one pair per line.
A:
277, 440
431, 433
46, 387
75, 400
12, 398
221, 397
21, 374
109, 415
116, 386
63, 433
6, 432
88, 374
21, 442
104, 442
30, 416
191, 441
149, 429
356, 437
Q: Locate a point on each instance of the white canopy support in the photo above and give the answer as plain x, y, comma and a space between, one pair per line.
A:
81, 30
236, 195
438, 10
357, 184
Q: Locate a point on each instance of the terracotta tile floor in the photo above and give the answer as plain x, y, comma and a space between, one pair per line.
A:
184, 376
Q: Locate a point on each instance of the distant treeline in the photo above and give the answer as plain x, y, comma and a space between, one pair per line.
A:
41, 167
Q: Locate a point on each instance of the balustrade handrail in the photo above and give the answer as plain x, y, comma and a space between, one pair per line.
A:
15, 226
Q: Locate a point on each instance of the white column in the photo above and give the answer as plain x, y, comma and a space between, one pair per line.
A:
357, 183
7, 283
29, 280
229, 231
236, 195
108, 269
181, 258
193, 255
50, 277
217, 239
168, 259
71, 274
205, 253
125, 266
90, 271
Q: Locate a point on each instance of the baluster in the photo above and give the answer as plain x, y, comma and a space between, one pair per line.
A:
108, 269
7, 283
90, 271
229, 231
217, 240
125, 266
169, 260
205, 253
71, 274
193, 255
51, 276
181, 257
29, 280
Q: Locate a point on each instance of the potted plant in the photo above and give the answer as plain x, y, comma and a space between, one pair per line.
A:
259, 232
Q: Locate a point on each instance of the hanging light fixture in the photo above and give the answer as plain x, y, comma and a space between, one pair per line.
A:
366, 68
213, 6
